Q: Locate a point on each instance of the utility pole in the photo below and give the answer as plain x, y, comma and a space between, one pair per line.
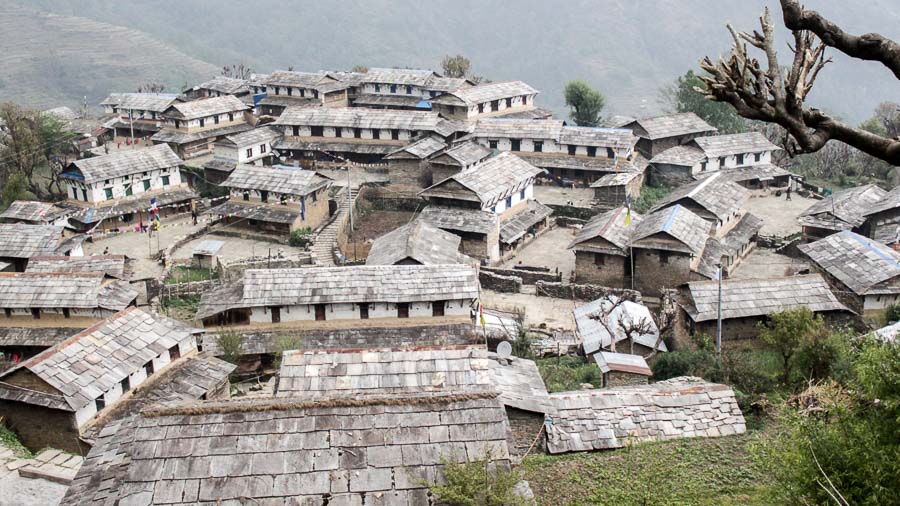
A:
719, 312
349, 198
131, 123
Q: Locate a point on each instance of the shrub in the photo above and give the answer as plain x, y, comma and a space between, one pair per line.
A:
650, 195
892, 314
300, 237
479, 483
231, 344
562, 374
283, 343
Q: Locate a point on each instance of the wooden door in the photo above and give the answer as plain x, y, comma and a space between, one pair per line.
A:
320, 312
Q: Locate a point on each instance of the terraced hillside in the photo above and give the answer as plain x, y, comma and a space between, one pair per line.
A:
51, 60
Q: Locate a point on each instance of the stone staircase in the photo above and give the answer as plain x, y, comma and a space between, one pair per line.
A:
326, 239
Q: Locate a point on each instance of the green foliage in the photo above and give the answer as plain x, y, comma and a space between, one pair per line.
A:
183, 308
682, 97
788, 331
477, 483
300, 237
285, 342
16, 188
206, 189
231, 344
185, 274
9, 439
456, 66
562, 374
650, 195
892, 314
843, 433
585, 103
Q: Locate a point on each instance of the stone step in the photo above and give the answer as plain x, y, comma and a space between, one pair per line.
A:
55, 474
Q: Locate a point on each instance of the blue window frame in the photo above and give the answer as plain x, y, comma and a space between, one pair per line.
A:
508, 202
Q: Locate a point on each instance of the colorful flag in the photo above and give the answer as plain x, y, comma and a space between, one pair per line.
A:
481, 313
616, 156
627, 216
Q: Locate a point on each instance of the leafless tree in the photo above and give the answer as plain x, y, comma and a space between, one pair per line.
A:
151, 87
634, 328
238, 71
774, 94
609, 304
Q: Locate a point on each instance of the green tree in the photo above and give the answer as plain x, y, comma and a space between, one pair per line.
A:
231, 344
585, 103
20, 143
478, 483
459, 67
788, 331
682, 96
16, 188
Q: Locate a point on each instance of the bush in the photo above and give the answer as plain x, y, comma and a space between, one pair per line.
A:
300, 237
283, 343
650, 195
231, 344
892, 314
479, 483
562, 374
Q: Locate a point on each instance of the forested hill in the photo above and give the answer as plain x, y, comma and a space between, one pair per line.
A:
625, 48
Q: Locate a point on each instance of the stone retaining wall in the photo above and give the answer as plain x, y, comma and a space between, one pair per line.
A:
178, 290
582, 292
235, 270
499, 283
528, 276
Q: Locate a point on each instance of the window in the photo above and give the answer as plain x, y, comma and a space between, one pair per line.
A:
276, 314
36, 313
740, 159
277, 90
74, 192
538, 146
592, 151
296, 131
302, 92
100, 403
231, 116
174, 352
202, 122
283, 199
403, 310
264, 195
290, 91
492, 144
320, 312
509, 102
524, 99
703, 167
357, 132
495, 105
262, 148
572, 149
317, 131
249, 152
216, 119
107, 193
610, 153
376, 134
364, 311
522, 195
106, 182
8, 312
757, 157
663, 257
66, 313
177, 124
148, 368
377, 88
409, 90
84, 194
126, 384
516, 144
246, 195
721, 161
393, 88
508, 202
395, 134
165, 180
437, 308
338, 132
146, 183
480, 108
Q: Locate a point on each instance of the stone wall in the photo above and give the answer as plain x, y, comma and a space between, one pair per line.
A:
38, 427
651, 275
615, 417
614, 379
524, 427
567, 221
234, 271
611, 273
582, 292
392, 198
580, 213
179, 290
528, 276
499, 283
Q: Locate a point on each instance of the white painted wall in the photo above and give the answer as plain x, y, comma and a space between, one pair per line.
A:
875, 302
347, 311
96, 191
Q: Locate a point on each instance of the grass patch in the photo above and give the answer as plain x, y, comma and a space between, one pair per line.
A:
650, 195
9, 439
184, 274
562, 374
183, 308
699, 471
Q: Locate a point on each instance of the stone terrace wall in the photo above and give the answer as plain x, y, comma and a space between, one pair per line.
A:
235, 270
498, 283
528, 276
582, 292
611, 418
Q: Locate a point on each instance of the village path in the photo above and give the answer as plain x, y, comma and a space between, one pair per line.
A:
548, 250
779, 215
18, 491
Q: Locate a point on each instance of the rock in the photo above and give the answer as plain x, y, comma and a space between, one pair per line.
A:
523, 490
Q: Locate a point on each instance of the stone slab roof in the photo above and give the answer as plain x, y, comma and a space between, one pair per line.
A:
520, 384
589, 420
91, 362
416, 77
677, 222
609, 226
113, 266
378, 100
673, 125
719, 197
367, 451
595, 336
355, 373
254, 211
24, 241
617, 179
61, 290
479, 94
741, 234
600, 137
863, 265
359, 117
465, 153
517, 128
15, 393
205, 107
492, 180
637, 163
418, 241
134, 204
296, 79
724, 145
170, 135
421, 148
281, 179
154, 102
742, 298
891, 200
208, 247
762, 172
255, 136
622, 362
528, 113
459, 219
224, 84
35, 211
684, 156
35, 336
845, 209
126, 163
517, 225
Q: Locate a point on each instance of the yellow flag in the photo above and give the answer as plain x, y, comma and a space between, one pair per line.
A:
627, 216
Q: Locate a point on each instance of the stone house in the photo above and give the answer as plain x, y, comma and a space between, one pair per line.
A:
19, 243
140, 114
622, 369
191, 128
252, 147
710, 154
602, 254
285, 88
408, 165
479, 231
863, 273
457, 158
659, 133
485, 100
747, 303
883, 218
275, 199
755, 177
525, 398
299, 298
32, 212
112, 267
410, 89
52, 398
502, 185
340, 135
619, 189
628, 327
842, 210
417, 243
219, 86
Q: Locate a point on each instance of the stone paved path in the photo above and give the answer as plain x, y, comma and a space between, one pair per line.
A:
326, 240
40, 481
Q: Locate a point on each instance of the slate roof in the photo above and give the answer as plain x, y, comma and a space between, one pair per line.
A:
62, 290
255, 136
254, 211
378, 100
622, 362
465, 153
594, 334
615, 179
716, 195
126, 163
359, 117
446, 84
205, 107
492, 180
113, 266
637, 163
92, 215
517, 128
741, 234
24, 241
35, 211
617, 121
416, 77
225, 84
154, 102
843, 210
208, 247
517, 225
743, 298
676, 221
170, 135
601, 137
723, 145
759, 172
421, 148
520, 384
418, 241
891, 200
296, 79
355, 373
91, 362
673, 125
267, 451
685, 156
481, 93
35, 336
460, 219
863, 265
281, 179
609, 226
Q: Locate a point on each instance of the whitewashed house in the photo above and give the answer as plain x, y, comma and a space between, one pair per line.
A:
124, 174
712, 153
137, 113
484, 100
192, 127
